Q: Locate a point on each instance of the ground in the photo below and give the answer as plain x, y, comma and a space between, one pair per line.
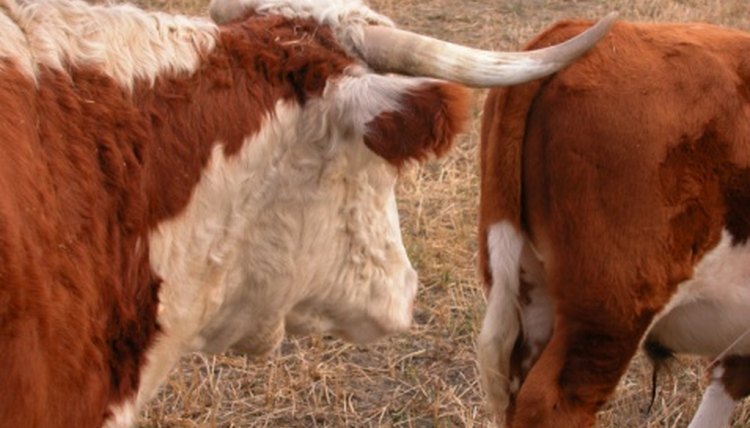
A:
427, 378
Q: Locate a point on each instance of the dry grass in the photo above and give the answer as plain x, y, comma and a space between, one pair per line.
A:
427, 378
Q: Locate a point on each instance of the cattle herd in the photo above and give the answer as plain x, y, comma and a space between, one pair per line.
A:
171, 184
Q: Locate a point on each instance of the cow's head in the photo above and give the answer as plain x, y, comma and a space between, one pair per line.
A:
313, 243
352, 275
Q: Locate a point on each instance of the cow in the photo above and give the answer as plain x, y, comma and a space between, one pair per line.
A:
175, 184
615, 214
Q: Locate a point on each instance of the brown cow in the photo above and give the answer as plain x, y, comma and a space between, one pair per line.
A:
171, 185
615, 207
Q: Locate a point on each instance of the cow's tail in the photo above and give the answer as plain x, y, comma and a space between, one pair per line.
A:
659, 356
502, 322
501, 241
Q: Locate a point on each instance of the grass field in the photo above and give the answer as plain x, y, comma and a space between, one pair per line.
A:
426, 378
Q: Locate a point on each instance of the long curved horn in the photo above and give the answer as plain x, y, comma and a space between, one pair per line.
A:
392, 50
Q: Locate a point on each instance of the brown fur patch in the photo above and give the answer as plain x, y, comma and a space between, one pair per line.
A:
736, 187
736, 377
503, 129
429, 119
690, 178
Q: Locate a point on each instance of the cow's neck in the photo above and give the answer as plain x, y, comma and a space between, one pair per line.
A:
215, 144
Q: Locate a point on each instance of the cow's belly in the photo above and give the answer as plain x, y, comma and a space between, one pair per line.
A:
710, 314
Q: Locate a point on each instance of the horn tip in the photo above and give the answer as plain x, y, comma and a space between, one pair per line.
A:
609, 19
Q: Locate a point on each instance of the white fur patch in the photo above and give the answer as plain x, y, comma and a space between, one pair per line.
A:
13, 44
501, 321
346, 17
710, 313
123, 416
334, 13
717, 405
122, 41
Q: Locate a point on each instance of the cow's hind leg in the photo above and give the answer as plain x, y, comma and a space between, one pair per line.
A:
580, 367
730, 383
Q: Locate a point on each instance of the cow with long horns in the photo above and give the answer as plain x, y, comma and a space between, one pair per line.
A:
172, 184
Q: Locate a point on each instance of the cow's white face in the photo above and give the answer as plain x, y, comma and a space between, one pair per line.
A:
299, 232
327, 249
352, 274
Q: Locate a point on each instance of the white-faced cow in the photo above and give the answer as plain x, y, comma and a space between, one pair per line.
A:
615, 210
170, 184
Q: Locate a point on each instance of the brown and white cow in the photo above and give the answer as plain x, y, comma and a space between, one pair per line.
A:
615, 210
170, 184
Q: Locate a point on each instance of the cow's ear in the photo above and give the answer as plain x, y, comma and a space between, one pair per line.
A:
404, 119
427, 121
